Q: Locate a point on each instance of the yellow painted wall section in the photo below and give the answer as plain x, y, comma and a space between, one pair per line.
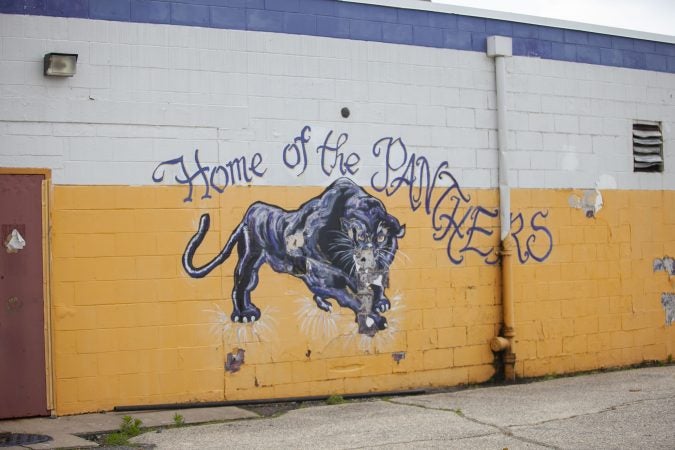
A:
597, 301
131, 327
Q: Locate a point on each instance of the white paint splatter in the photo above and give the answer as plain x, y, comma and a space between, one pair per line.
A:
316, 323
238, 334
378, 342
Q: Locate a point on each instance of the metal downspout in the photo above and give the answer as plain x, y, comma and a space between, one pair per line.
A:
499, 47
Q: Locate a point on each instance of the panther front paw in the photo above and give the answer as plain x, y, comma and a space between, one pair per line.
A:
323, 304
377, 321
250, 314
382, 305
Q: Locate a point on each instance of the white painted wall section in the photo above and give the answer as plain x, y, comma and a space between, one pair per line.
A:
147, 93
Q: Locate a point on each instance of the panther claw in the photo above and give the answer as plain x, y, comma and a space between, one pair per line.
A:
376, 321
246, 316
323, 304
382, 305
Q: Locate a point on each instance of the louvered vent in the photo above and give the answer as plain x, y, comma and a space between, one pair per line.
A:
647, 147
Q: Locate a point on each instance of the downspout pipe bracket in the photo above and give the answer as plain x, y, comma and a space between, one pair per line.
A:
499, 46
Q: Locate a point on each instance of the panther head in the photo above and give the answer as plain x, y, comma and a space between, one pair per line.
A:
369, 241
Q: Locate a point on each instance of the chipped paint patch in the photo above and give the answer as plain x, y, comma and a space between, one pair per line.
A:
591, 202
235, 360
295, 242
668, 302
398, 356
665, 264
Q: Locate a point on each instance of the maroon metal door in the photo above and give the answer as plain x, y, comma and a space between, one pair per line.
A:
23, 377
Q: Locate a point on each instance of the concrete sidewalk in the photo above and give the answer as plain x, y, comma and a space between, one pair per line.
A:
63, 430
626, 409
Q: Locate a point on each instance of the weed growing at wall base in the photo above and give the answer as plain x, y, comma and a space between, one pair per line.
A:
129, 428
335, 400
178, 420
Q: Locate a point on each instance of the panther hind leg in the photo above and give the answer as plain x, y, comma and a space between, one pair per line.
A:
245, 281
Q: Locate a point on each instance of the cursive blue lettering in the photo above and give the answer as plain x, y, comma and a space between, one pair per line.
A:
332, 157
235, 171
295, 154
437, 192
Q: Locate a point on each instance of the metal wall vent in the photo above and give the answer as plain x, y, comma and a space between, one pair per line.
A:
647, 147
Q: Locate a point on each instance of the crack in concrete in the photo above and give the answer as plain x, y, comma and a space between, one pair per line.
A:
608, 409
503, 430
417, 441
506, 430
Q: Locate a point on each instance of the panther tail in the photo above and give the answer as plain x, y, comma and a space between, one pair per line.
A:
195, 242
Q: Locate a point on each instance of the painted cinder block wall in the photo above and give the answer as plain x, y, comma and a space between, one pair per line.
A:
241, 79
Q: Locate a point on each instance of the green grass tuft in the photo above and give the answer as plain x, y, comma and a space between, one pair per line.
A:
130, 426
118, 438
335, 400
178, 420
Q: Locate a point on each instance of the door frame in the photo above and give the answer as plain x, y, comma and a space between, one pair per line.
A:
46, 199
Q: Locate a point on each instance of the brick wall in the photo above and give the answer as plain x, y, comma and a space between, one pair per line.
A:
130, 326
595, 302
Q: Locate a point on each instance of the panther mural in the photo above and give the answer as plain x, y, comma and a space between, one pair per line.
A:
340, 243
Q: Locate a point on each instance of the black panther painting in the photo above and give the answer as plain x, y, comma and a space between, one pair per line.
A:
340, 244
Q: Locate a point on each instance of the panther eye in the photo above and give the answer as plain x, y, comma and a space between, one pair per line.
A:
381, 238
361, 237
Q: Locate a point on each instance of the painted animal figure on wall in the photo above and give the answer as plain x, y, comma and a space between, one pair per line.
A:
332, 242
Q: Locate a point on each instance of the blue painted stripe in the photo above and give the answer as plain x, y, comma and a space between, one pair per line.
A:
230, 18
62, 8
110, 9
367, 22
150, 11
